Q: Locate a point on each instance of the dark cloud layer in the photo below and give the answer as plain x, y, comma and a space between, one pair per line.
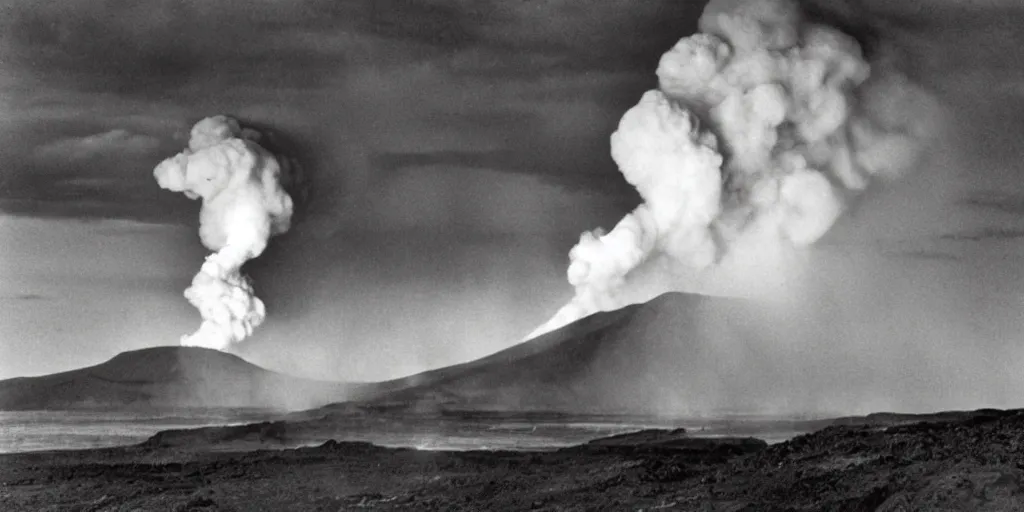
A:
361, 88
516, 87
457, 119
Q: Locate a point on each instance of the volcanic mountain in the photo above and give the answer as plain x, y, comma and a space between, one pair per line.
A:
169, 377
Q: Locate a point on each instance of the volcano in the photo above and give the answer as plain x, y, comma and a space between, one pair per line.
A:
169, 377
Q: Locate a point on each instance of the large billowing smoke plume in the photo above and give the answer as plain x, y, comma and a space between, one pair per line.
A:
763, 128
244, 204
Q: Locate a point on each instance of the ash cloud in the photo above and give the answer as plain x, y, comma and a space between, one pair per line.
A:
241, 185
765, 127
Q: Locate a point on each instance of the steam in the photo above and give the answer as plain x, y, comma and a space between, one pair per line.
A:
763, 128
244, 204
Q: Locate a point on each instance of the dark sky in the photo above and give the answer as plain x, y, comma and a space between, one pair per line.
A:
455, 151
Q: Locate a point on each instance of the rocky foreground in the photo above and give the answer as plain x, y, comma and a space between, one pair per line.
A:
956, 461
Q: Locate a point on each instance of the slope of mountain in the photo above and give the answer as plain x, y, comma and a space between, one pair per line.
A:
169, 377
684, 355
632, 360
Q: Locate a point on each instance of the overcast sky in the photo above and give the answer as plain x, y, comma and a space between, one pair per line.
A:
456, 149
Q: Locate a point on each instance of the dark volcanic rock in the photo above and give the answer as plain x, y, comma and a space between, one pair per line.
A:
970, 463
966, 461
653, 436
675, 442
267, 431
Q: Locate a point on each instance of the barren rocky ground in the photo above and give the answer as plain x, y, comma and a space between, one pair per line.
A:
969, 461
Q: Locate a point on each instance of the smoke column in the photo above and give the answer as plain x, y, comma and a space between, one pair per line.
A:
763, 128
244, 204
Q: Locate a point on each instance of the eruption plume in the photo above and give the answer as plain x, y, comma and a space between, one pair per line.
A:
764, 125
244, 204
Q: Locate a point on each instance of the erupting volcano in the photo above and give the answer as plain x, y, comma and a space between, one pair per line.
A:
764, 127
244, 204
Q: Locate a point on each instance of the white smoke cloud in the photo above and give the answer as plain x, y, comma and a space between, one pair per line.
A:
764, 125
244, 204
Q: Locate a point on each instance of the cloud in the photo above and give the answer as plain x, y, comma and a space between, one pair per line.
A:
368, 87
990, 233
923, 254
98, 175
29, 297
91, 193
114, 143
497, 86
151, 47
993, 200
478, 200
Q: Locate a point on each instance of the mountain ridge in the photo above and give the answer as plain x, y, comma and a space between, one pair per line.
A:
600, 364
169, 377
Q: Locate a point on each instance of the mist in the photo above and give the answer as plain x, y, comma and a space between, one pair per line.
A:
872, 334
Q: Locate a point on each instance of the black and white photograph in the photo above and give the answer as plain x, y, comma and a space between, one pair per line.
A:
503, 255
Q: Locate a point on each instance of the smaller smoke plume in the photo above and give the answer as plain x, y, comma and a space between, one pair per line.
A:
763, 127
244, 204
